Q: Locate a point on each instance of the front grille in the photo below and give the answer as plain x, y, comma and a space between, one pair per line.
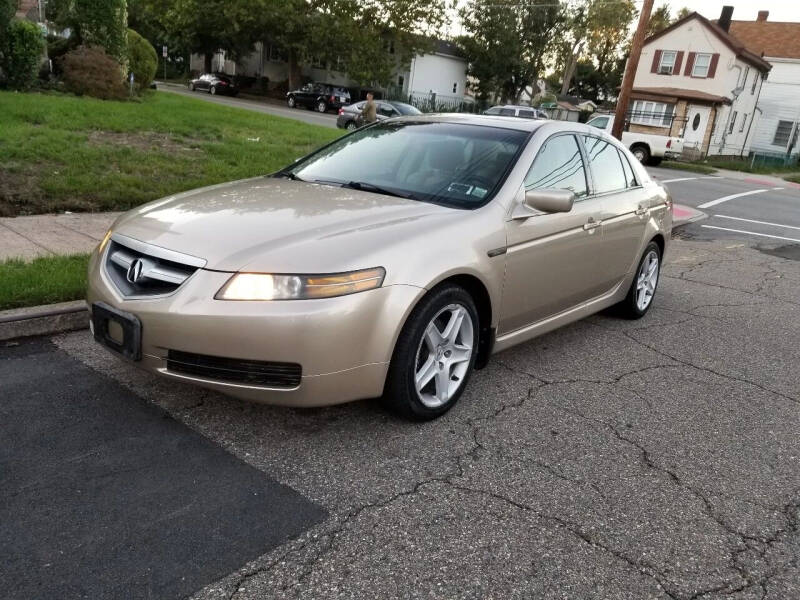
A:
141, 270
235, 370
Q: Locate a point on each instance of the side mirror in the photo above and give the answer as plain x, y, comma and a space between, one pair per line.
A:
550, 200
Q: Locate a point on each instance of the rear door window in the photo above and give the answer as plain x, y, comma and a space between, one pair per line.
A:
527, 114
599, 122
559, 164
626, 166
606, 165
508, 112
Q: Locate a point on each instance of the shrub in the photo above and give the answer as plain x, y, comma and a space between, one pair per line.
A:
142, 60
57, 47
21, 54
102, 23
90, 71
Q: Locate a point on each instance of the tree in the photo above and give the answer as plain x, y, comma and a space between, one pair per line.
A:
507, 44
101, 23
608, 38
659, 19
683, 13
21, 50
142, 60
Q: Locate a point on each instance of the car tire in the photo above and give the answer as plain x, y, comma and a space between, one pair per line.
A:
641, 153
290, 102
351, 125
322, 107
191, 86
212, 90
643, 287
444, 360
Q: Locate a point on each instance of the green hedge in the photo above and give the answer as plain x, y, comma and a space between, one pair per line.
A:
21, 53
142, 60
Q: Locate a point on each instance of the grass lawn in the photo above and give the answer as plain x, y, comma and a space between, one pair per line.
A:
794, 178
42, 281
687, 166
735, 164
61, 152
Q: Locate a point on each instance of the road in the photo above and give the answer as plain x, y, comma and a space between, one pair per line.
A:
753, 210
299, 114
609, 459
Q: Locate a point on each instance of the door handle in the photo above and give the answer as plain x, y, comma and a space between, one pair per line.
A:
641, 210
591, 225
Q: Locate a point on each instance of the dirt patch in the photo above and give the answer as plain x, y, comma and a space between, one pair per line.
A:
19, 193
145, 141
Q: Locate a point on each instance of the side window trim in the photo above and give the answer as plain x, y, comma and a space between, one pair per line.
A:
625, 161
581, 150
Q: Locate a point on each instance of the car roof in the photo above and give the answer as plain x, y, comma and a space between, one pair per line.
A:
494, 121
514, 106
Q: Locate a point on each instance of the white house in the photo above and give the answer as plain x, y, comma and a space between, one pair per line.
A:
776, 131
697, 81
442, 71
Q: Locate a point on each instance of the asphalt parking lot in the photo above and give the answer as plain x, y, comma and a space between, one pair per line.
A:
609, 459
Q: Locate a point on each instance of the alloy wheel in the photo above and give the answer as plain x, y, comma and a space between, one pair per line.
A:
351, 125
646, 280
213, 90
443, 355
322, 107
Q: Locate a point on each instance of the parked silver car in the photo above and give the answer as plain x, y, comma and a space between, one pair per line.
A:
350, 116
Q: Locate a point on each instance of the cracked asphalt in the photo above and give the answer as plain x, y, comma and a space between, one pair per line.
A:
657, 458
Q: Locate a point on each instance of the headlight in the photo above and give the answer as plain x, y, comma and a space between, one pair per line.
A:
263, 286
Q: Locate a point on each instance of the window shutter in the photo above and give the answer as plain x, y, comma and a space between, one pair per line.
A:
690, 63
656, 61
678, 63
712, 68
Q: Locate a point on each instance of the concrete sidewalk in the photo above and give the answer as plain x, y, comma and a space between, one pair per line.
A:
49, 235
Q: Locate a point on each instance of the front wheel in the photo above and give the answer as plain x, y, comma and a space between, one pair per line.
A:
351, 126
322, 107
191, 86
213, 90
643, 288
290, 102
434, 355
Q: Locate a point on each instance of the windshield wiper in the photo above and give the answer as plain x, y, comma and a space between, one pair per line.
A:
369, 187
290, 175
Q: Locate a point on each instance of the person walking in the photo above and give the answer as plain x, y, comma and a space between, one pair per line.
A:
369, 112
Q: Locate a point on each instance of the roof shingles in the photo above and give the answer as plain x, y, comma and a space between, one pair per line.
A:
769, 38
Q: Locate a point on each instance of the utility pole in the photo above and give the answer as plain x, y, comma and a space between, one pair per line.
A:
630, 70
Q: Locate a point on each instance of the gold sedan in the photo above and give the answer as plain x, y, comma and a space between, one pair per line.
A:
390, 263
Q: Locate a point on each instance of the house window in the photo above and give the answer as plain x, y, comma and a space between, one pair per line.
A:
701, 64
667, 63
455, 87
746, 73
755, 81
783, 132
744, 120
400, 80
652, 113
733, 122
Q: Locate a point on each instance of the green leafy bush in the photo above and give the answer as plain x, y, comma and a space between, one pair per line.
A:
102, 23
89, 71
21, 53
142, 60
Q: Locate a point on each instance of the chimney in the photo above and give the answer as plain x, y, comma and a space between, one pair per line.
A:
762, 16
725, 18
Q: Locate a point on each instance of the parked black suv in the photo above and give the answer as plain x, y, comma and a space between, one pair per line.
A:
214, 83
320, 96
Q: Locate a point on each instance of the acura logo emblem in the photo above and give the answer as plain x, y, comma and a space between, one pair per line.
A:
135, 271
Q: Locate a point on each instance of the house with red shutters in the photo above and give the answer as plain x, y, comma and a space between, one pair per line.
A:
697, 81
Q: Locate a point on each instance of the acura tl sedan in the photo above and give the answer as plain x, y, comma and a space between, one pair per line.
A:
390, 263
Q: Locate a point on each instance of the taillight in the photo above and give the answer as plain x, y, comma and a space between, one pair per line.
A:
333, 98
341, 111
669, 143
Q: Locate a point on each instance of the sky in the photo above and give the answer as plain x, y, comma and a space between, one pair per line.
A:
743, 10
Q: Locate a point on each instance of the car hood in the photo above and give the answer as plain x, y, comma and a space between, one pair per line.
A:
279, 225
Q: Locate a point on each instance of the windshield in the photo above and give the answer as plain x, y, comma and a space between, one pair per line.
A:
445, 163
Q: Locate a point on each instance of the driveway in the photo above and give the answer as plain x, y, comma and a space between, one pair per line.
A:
610, 459
300, 114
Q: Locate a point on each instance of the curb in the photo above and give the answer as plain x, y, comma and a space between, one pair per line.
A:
43, 320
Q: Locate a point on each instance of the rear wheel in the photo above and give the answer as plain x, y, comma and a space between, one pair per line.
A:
434, 355
290, 102
643, 288
322, 107
351, 125
213, 90
191, 86
641, 153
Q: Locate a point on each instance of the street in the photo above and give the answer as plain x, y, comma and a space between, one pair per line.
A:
300, 114
609, 459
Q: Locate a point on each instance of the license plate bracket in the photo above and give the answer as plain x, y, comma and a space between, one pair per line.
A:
131, 345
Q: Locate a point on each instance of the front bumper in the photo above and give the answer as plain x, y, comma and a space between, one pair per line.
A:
343, 344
